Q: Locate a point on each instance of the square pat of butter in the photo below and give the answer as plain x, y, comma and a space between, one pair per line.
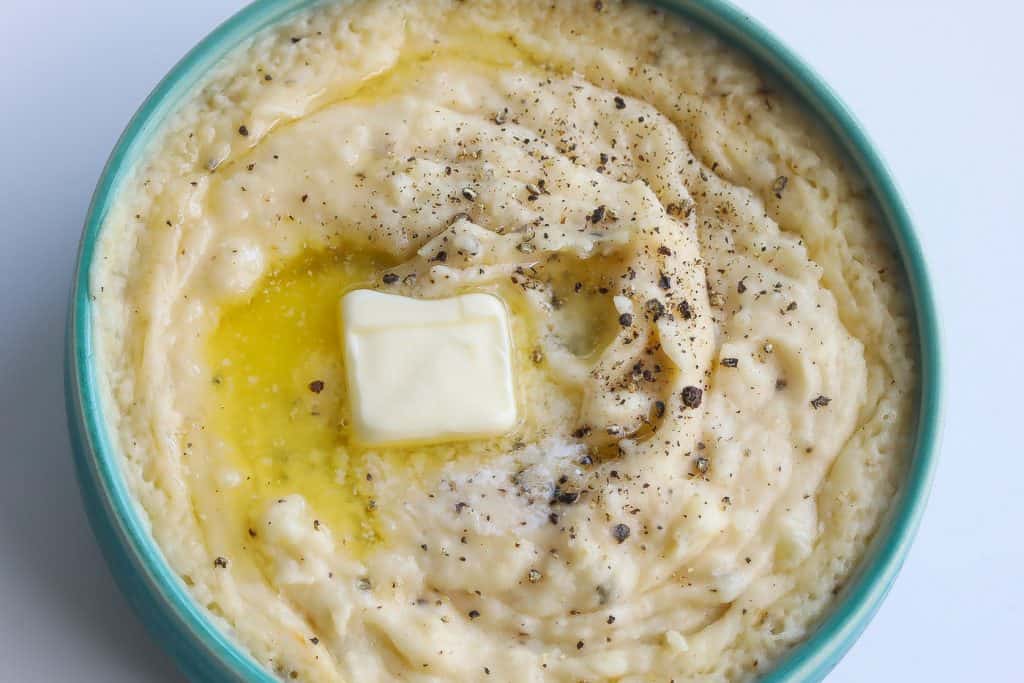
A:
427, 370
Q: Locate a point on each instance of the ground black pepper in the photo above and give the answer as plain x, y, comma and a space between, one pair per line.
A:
685, 311
565, 497
779, 185
692, 396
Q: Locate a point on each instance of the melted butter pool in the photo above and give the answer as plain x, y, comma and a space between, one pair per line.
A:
279, 394
279, 400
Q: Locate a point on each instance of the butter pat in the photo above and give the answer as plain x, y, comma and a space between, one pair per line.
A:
427, 370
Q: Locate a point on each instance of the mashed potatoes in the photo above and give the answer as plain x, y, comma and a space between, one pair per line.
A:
713, 352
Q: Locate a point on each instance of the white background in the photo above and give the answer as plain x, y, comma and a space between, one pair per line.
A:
938, 86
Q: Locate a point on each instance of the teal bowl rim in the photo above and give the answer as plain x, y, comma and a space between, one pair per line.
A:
161, 599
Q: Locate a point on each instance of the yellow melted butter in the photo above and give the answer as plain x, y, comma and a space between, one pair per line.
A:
468, 49
281, 435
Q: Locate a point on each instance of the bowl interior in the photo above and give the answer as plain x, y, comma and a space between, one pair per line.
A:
189, 633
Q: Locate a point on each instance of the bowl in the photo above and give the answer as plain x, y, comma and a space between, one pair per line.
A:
161, 599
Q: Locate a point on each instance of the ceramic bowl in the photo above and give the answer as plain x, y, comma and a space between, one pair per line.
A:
161, 599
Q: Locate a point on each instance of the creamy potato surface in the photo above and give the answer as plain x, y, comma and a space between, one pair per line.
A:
712, 348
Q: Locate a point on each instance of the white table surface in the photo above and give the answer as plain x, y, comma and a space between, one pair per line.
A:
939, 87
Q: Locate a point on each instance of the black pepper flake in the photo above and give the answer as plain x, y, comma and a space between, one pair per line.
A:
611, 619
598, 215
685, 310
664, 251
553, 518
469, 193
620, 532
243, 131
820, 402
665, 282
316, 386
565, 497
440, 256
579, 644
779, 185
741, 286
659, 408
730, 362
473, 614
692, 396
390, 278
220, 562
460, 506
791, 306
304, 198
619, 102
626, 319
655, 309
314, 640
780, 384
582, 432
702, 464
